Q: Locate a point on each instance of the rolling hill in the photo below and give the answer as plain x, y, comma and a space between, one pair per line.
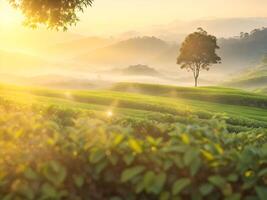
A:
252, 78
238, 53
262, 90
79, 52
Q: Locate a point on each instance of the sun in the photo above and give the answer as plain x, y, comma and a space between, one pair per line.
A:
8, 15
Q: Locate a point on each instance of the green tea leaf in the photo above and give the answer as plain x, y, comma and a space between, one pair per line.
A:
30, 174
217, 181
159, 182
179, 185
135, 145
96, 156
165, 196
130, 173
206, 189
195, 166
149, 180
235, 196
48, 191
263, 172
261, 192
232, 178
190, 156
55, 172
78, 180
128, 158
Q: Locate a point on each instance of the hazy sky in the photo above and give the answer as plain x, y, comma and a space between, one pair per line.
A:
121, 15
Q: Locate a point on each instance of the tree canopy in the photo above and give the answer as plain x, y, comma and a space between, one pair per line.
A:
198, 52
55, 14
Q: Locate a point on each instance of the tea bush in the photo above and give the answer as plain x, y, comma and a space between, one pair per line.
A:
54, 153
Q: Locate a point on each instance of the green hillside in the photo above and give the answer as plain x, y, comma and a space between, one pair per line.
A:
262, 90
252, 78
209, 94
177, 102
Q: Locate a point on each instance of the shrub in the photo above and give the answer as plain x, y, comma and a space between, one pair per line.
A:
97, 158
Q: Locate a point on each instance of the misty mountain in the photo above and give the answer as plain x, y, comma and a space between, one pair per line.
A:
244, 51
237, 53
127, 52
227, 27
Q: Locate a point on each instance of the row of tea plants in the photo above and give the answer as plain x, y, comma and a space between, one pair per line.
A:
53, 153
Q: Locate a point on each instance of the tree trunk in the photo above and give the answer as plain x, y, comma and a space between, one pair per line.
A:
196, 73
196, 79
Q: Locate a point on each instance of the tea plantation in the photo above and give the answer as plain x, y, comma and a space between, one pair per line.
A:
132, 144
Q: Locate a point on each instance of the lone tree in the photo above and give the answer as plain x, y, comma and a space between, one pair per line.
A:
55, 14
198, 52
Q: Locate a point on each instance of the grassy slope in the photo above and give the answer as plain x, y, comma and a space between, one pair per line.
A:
208, 94
140, 105
262, 90
254, 78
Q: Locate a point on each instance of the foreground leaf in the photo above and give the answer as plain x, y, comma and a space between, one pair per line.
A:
130, 173
179, 185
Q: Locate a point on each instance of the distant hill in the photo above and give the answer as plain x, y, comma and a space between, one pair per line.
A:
139, 49
221, 27
243, 51
140, 70
77, 47
238, 53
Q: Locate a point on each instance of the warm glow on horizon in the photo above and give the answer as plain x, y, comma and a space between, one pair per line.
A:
108, 16
111, 17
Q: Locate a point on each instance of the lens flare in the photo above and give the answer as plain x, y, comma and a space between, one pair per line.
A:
109, 114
